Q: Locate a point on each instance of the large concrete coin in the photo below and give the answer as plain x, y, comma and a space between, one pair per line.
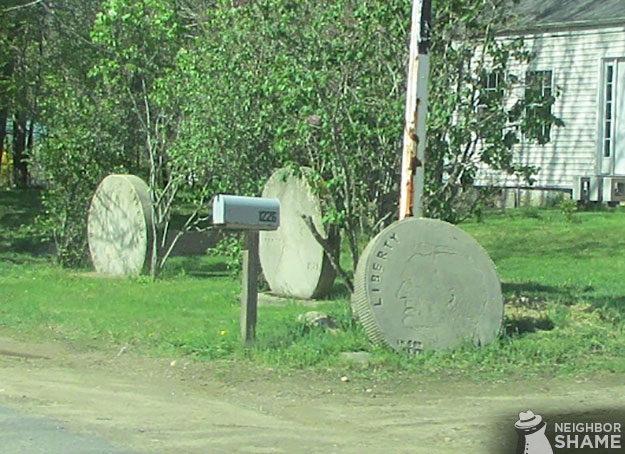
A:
119, 226
294, 263
424, 284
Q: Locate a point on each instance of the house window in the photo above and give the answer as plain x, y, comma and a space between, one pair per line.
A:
492, 88
609, 108
539, 98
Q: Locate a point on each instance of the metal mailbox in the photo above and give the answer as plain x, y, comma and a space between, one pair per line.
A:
250, 214
246, 213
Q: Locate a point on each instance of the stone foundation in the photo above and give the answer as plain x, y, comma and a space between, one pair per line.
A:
516, 197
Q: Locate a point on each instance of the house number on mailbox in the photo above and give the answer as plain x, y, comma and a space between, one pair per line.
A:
267, 216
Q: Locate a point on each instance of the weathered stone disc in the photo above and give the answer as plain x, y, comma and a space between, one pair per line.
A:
119, 226
293, 262
424, 284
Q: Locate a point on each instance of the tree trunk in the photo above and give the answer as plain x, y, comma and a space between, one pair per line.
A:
31, 136
20, 163
3, 132
6, 74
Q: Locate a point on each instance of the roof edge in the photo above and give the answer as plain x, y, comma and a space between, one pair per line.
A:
560, 26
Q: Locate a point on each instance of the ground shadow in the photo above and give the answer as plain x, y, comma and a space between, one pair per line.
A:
19, 232
530, 293
528, 287
616, 304
339, 291
516, 326
566, 294
201, 267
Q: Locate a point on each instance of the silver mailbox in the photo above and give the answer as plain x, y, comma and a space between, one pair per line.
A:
246, 213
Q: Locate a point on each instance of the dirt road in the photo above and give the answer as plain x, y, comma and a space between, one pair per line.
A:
145, 405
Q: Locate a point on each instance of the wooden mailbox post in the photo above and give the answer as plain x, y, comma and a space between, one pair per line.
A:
250, 214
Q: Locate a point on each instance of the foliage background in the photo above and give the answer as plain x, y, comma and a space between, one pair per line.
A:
201, 97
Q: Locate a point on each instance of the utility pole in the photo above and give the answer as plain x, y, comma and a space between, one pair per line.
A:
413, 160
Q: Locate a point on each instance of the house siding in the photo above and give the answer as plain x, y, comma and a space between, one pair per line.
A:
575, 58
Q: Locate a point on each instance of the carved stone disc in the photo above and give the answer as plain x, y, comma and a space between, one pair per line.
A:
294, 263
424, 284
119, 226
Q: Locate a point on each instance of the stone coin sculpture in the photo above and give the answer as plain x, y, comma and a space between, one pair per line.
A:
293, 262
119, 226
424, 284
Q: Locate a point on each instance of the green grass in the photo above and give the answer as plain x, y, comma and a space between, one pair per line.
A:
176, 316
563, 283
566, 262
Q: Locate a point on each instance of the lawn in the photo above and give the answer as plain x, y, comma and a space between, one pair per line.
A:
562, 281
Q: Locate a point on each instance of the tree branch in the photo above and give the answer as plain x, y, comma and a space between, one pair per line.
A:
329, 250
192, 220
26, 5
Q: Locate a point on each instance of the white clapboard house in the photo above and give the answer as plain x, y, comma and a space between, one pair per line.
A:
579, 48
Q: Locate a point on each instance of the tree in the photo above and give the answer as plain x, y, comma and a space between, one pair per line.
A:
142, 69
316, 84
110, 107
84, 139
208, 97
321, 84
21, 36
472, 121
